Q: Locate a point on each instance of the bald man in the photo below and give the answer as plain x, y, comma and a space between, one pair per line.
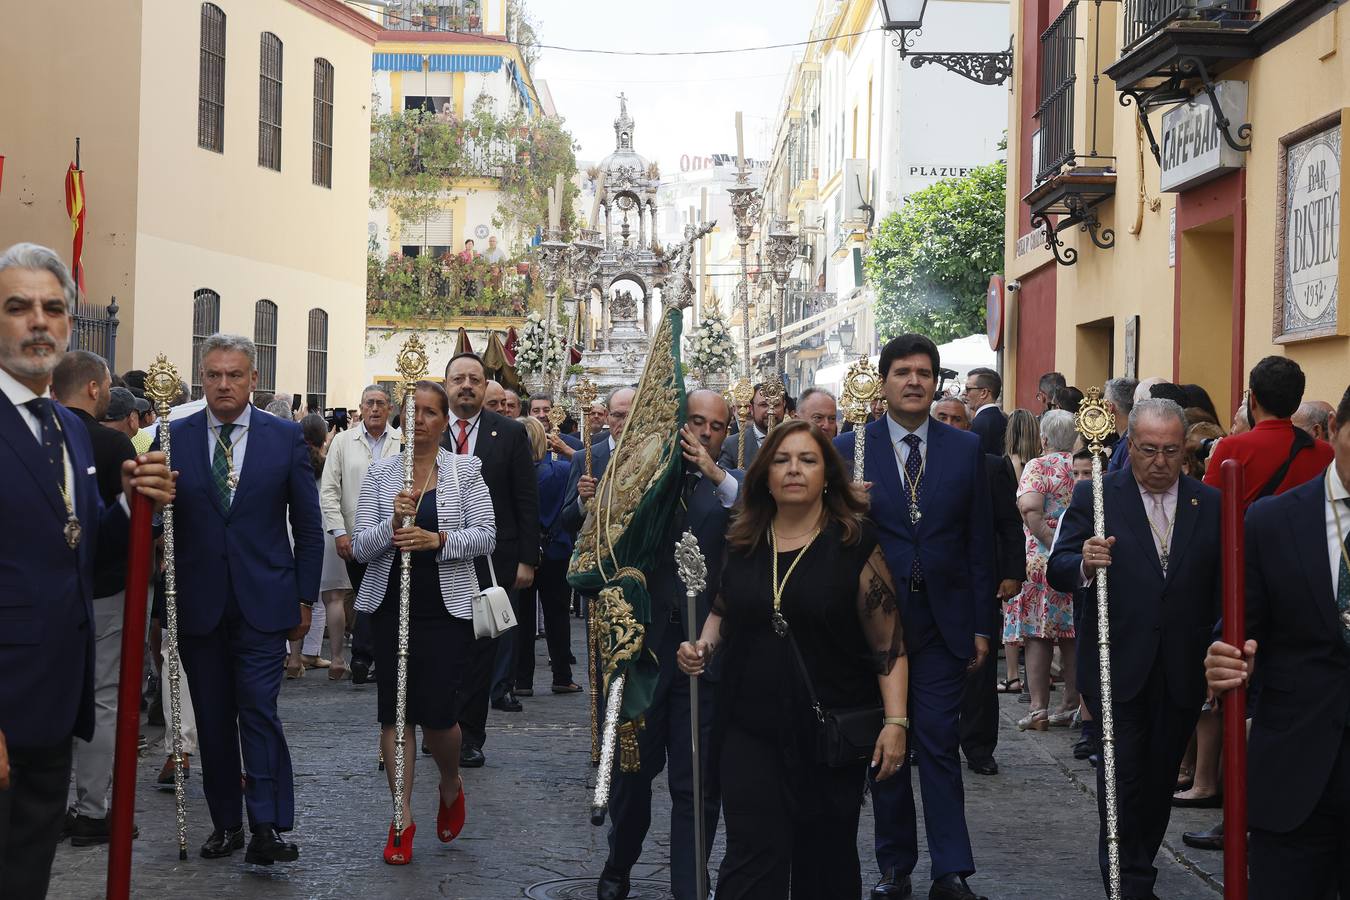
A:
494, 396
510, 404
1312, 416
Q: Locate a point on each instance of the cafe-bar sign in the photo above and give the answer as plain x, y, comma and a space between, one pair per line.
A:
1193, 148
1312, 235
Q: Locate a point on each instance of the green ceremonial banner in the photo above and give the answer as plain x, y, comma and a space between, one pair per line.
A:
628, 526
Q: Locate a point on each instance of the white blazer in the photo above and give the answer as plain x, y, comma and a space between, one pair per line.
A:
464, 514
348, 458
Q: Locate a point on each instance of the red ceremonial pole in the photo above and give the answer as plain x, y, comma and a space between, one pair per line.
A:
1235, 703
123, 808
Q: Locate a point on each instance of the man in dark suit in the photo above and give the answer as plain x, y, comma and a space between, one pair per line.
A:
1162, 556
754, 435
979, 702
242, 592
580, 488
54, 521
82, 384
1298, 754
983, 389
503, 445
705, 508
561, 445
930, 502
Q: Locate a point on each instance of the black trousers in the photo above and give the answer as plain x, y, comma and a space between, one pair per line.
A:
31, 813
1151, 734
555, 596
979, 711
1313, 860
363, 640
665, 743
805, 836
473, 709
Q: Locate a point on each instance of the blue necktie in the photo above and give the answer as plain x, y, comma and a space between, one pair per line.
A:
52, 445
1343, 588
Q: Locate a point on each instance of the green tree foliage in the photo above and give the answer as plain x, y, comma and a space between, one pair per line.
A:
931, 260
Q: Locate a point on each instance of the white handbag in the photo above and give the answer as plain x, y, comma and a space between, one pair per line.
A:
492, 613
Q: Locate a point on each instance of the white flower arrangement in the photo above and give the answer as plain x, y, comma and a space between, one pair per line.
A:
711, 349
530, 354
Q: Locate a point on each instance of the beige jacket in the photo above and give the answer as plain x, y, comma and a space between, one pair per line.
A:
349, 457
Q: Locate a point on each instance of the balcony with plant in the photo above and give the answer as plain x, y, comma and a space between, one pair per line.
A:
404, 288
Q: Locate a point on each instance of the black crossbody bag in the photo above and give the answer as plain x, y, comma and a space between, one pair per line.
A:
844, 737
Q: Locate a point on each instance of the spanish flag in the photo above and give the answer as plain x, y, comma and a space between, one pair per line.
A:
75, 209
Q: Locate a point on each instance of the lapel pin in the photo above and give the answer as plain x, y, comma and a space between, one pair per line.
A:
1195, 501
494, 434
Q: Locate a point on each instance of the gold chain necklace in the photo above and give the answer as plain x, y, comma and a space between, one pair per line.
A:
72, 531
1164, 540
231, 476
911, 487
780, 626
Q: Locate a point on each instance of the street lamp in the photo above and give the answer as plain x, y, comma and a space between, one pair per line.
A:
846, 335
905, 19
833, 344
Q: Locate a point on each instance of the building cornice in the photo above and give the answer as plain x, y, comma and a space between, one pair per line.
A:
342, 16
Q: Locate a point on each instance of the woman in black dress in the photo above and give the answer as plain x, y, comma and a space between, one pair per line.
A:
802, 554
453, 525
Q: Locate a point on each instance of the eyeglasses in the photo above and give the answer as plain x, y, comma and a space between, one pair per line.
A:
1149, 452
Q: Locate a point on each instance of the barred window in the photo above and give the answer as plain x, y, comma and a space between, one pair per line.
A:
205, 322
323, 123
211, 81
269, 102
265, 337
316, 380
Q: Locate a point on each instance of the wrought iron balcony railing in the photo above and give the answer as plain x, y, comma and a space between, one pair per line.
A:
1144, 18
464, 18
1055, 112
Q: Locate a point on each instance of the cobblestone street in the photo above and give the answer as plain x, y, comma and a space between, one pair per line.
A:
1033, 825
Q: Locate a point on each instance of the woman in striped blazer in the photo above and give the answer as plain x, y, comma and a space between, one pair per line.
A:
453, 524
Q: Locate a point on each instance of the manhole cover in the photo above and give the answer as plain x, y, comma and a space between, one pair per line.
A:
584, 889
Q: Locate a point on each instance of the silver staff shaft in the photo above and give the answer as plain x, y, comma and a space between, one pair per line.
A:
608, 746
1107, 718
404, 604
171, 656
695, 733
859, 453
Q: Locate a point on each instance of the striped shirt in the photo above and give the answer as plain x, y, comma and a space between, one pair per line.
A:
465, 515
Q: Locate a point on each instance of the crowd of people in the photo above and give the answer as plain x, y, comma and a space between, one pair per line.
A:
849, 630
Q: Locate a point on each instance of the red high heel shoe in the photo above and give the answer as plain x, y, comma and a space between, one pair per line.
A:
402, 854
450, 819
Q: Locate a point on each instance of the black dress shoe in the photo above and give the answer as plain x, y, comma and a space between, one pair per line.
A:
360, 671
952, 887
893, 886
507, 703
471, 758
984, 766
223, 842
613, 885
267, 847
86, 831
1204, 840
1085, 746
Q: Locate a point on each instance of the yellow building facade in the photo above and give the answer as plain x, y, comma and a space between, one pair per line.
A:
1197, 261
226, 152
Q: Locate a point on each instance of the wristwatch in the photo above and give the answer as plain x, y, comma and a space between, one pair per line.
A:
902, 721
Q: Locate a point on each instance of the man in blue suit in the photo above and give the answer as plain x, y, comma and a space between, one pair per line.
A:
53, 520
242, 593
705, 509
1298, 647
1162, 557
930, 502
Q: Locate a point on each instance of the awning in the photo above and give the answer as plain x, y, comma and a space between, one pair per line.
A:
436, 62
522, 88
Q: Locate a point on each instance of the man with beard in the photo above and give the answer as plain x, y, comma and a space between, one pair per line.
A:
664, 742
503, 445
81, 382
53, 519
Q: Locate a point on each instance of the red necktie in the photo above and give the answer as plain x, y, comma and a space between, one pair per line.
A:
462, 442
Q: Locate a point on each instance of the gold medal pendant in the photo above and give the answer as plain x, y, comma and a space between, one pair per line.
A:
73, 532
233, 480
780, 625
915, 514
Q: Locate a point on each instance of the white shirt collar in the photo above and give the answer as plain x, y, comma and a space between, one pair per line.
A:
17, 392
472, 420
612, 445
899, 432
986, 406
241, 422
1338, 491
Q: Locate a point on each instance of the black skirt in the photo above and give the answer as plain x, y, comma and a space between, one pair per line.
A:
438, 643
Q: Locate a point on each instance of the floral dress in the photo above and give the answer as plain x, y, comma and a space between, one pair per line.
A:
1038, 611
